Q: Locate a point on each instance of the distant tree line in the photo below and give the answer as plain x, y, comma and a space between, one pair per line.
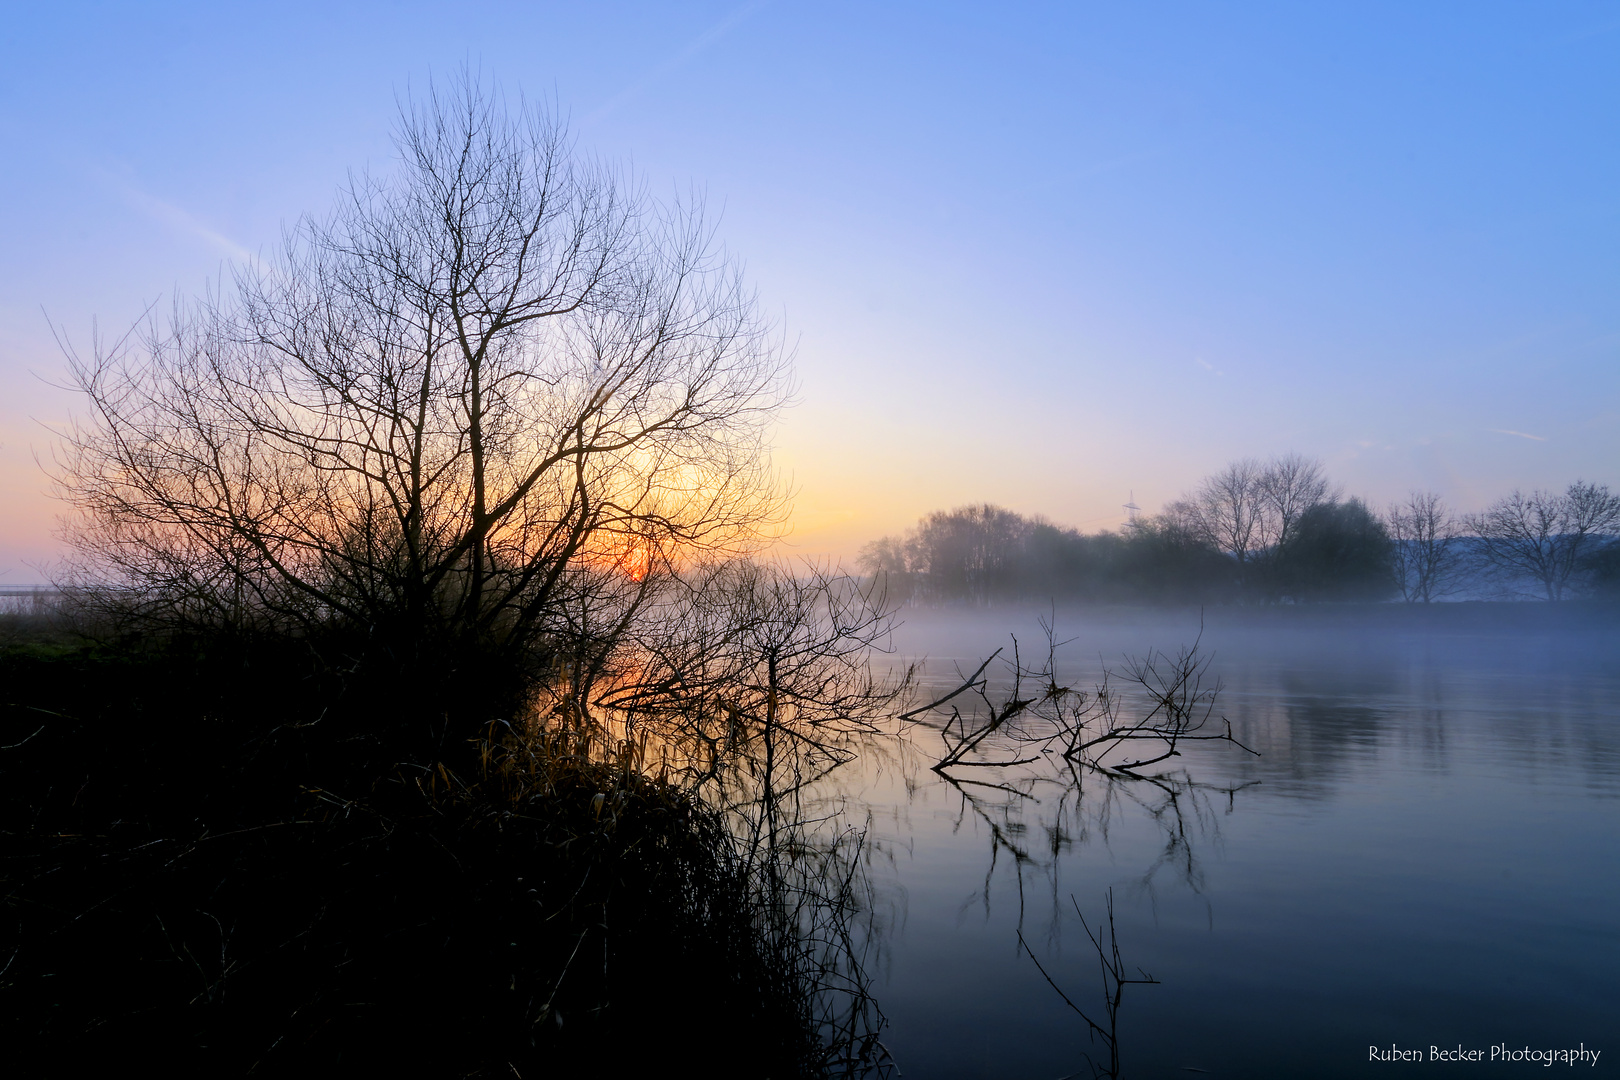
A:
1276, 531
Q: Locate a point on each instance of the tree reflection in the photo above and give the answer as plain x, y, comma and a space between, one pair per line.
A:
1031, 755
1115, 978
752, 686
1046, 767
748, 685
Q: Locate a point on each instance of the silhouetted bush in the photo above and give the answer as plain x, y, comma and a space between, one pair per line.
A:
210, 861
1338, 551
1602, 568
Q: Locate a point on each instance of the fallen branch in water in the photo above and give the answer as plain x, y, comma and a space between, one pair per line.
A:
1087, 726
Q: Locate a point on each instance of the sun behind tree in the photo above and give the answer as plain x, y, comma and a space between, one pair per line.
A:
442, 413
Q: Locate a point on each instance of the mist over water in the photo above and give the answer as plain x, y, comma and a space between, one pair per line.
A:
1422, 854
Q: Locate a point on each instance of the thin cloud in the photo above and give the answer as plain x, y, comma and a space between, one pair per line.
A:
703, 41
181, 221
1520, 434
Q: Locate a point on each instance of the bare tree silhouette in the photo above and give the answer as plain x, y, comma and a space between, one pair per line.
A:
1545, 536
501, 379
1427, 556
1250, 510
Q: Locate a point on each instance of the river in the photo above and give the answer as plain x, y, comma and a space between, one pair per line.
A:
1424, 853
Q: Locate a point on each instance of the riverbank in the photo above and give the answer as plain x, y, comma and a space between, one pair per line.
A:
207, 862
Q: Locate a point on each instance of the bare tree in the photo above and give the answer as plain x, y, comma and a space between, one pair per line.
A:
743, 651
968, 552
1426, 553
1250, 509
1226, 510
499, 379
1544, 536
1287, 487
889, 560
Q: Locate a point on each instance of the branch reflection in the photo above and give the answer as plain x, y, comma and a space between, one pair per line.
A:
748, 686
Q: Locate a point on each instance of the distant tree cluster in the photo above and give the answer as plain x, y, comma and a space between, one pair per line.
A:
1272, 531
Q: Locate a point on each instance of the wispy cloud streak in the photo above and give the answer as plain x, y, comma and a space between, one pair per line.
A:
175, 218
703, 41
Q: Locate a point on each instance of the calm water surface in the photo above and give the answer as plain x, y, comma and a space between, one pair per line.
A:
1427, 852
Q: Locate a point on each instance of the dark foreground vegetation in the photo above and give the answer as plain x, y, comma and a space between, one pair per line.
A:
410, 706
210, 861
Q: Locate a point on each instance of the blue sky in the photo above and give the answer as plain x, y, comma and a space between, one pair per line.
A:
1043, 255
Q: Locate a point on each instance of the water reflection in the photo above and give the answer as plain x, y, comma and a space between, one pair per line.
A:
1061, 764
1045, 768
1116, 976
1416, 854
1419, 806
749, 692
